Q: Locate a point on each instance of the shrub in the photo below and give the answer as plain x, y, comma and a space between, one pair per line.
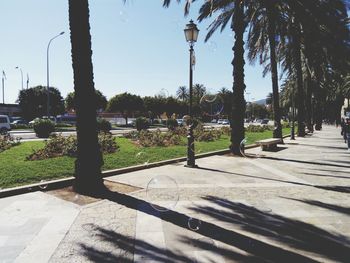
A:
133, 135
225, 130
43, 128
107, 143
200, 134
7, 141
171, 124
258, 128
103, 125
157, 138
141, 123
67, 146
286, 124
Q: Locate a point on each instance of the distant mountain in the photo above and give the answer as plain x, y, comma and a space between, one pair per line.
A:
260, 102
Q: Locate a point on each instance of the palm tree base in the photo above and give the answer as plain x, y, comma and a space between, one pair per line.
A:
90, 188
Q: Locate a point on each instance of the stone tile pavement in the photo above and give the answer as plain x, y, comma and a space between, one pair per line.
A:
291, 205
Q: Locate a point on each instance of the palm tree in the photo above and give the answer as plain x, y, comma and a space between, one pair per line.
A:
182, 93
198, 92
265, 28
233, 11
89, 160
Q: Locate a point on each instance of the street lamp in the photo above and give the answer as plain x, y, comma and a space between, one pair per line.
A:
21, 75
191, 34
47, 73
3, 86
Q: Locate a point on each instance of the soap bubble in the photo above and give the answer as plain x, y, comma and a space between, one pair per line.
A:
194, 224
142, 158
196, 148
162, 193
43, 185
212, 46
211, 105
186, 120
123, 16
164, 93
242, 147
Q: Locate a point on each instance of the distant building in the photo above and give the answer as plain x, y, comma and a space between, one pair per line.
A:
10, 109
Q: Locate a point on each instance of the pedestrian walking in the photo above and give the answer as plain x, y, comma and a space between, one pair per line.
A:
347, 131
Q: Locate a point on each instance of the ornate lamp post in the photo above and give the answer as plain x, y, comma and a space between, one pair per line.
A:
47, 73
191, 34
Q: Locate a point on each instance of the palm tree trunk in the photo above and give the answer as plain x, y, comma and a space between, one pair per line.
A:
318, 109
277, 133
88, 177
299, 75
308, 104
238, 107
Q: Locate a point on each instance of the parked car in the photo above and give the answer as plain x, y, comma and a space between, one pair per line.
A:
180, 122
32, 121
19, 121
225, 122
131, 123
220, 121
214, 121
265, 121
4, 124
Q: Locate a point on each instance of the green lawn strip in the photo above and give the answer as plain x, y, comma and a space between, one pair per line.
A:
15, 170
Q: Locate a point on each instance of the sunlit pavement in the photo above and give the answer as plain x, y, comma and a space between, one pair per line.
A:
291, 205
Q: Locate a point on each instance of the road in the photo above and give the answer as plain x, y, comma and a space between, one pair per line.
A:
28, 135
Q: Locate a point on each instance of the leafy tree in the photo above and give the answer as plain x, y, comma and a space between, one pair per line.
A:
33, 102
125, 103
89, 160
154, 106
101, 101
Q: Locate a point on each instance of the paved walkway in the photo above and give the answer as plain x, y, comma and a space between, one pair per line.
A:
286, 206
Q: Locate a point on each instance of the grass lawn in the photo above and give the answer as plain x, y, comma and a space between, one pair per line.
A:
15, 170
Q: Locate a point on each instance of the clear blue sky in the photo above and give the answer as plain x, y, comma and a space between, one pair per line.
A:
138, 47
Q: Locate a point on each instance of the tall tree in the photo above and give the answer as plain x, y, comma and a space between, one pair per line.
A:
33, 102
89, 160
265, 30
182, 93
233, 11
100, 101
125, 103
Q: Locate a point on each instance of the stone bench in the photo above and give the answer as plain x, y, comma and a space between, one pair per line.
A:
269, 144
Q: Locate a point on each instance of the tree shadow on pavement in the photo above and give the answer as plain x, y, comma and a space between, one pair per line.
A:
291, 233
128, 244
257, 250
328, 175
305, 162
334, 188
332, 207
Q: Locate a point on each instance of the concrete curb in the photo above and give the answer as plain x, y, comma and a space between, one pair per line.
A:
65, 182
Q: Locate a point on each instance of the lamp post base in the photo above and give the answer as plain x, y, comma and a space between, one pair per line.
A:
191, 165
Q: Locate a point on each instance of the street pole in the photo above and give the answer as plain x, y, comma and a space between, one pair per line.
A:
191, 34
190, 138
292, 133
3, 86
21, 75
47, 73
